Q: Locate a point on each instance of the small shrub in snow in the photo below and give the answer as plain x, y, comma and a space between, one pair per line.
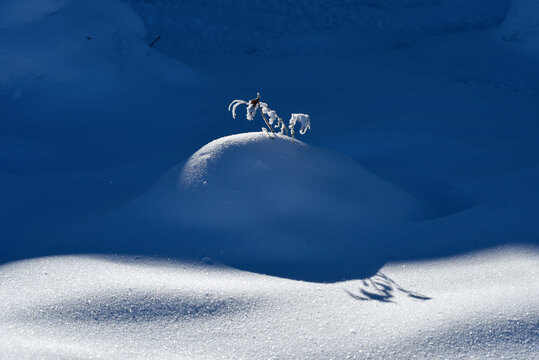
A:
270, 117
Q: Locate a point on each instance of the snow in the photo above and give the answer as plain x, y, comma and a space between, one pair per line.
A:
282, 202
270, 205
16, 13
521, 24
138, 219
480, 306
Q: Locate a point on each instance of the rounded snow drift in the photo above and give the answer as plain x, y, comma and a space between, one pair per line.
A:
281, 207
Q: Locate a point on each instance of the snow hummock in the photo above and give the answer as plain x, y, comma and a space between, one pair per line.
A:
272, 205
88, 64
77, 78
286, 205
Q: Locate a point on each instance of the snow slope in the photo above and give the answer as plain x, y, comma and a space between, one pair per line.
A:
521, 24
81, 96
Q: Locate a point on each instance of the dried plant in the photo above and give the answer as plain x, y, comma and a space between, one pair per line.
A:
270, 117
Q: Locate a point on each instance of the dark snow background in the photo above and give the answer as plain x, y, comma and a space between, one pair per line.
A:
438, 98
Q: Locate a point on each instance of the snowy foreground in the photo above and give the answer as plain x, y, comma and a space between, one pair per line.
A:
481, 306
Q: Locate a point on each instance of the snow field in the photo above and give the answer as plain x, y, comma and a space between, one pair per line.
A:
479, 306
423, 148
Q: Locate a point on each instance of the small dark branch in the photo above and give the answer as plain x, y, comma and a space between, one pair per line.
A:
156, 40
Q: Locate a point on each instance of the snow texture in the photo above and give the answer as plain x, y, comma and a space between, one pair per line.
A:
283, 203
521, 24
418, 184
481, 306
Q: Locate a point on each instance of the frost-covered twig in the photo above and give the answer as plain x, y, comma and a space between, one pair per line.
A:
252, 106
303, 119
268, 124
234, 104
272, 118
282, 126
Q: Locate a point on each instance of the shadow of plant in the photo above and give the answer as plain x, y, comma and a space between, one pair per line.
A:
382, 288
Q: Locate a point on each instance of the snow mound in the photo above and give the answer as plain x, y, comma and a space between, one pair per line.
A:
88, 64
81, 90
274, 206
290, 209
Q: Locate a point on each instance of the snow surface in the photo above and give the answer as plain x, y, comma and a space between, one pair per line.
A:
521, 24
481, 306
423, 157
277, 206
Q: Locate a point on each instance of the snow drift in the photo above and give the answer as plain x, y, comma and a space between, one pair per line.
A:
81, 92
272, 205
88, 65
288, 208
